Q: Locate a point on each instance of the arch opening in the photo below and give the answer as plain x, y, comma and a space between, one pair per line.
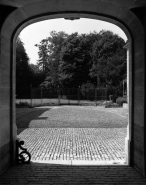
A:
76, 16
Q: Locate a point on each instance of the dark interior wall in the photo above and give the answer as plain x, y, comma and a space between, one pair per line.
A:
4, 104
5, 116
139, 113
133, 20
4, 12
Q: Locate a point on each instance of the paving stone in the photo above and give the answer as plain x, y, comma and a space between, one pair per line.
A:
77, 143
74, 133
67, 174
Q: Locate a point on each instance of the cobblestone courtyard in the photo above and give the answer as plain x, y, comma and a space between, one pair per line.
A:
60, 134
74, 134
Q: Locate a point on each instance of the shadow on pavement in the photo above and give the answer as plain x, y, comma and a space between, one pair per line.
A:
25, 115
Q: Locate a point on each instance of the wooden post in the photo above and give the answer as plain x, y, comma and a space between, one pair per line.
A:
68, 96
95, 96
31, 95
123, 88
59, 96
79, 95
41, 96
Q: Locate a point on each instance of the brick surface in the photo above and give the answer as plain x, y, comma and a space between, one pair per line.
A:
68, 175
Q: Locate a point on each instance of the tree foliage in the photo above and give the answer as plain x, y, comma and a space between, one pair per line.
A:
26, 75
75, 60
108, 60
49, 57
22, 65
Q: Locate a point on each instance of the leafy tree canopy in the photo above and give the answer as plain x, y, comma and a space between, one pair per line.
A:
26, 75
22, 65
76, 59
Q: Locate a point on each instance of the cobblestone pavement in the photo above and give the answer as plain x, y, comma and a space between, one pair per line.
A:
60, 141
72, 117
74, 135
75, 143
71, 175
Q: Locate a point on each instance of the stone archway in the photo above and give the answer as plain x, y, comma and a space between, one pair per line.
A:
118, 14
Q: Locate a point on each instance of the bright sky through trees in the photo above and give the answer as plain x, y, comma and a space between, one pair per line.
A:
34, 33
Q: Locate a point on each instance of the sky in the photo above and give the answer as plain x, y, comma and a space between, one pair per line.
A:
34, 33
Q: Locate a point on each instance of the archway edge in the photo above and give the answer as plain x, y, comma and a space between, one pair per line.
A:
34, 12
105, 11
73, 15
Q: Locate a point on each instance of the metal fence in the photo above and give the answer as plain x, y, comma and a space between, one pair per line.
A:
62, 96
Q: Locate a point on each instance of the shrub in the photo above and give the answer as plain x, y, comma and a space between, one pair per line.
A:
121, 100
22, 104
110, 104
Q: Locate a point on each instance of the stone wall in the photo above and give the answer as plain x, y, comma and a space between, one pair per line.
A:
116, 13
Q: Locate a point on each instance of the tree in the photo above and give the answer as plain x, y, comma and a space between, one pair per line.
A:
37, 75
49, 57
43, 55
108, 60
27, 75
23, 71
75, 60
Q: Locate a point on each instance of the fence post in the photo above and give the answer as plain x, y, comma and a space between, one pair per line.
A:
95, 96
79, 95
68, 96
59, 96
87, 94
106, 93
31, 95
41, 96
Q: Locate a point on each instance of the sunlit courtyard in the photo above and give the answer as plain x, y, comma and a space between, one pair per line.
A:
74, 134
